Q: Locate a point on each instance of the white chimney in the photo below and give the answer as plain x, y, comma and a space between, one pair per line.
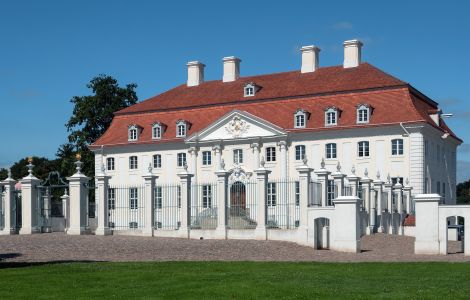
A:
231, 68
310, 57
195, 73
352, 53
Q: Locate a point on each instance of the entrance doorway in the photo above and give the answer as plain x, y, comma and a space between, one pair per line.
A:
237, 199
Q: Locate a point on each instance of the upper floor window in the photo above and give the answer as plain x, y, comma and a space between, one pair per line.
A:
363, 149
299, 152
157, 161
238, 156
271, 154
133, 133
300, 118
331, 116
363, 113
181, 128
157, 130
250, 89
206, 158
181, 159
133, 163
397, 147
330, 150
110, 163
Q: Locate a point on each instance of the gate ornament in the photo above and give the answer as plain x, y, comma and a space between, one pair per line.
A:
237, 127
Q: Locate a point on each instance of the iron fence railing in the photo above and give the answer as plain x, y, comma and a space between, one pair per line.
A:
242, 205
126, 207
167, 206
283, 203
2, 210
203, 207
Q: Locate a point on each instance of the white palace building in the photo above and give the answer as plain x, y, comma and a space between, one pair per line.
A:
319, 156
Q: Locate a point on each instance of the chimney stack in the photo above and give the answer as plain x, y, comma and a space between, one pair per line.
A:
310, 57
352, 53
231, 68
195, 73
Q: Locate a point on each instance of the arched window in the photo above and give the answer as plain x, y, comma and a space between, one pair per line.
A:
300, 118
363, 113
331, 116
157, 130
133, 133
181, 128
250, 89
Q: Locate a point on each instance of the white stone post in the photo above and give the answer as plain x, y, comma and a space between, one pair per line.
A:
389, 188
368, 202
66, 210
262, 185
407, 190
29, 202
399, 192
427, 224
378, 188
354, 182
78, 201
338, 177
255, 147
8, 204
283, 158
149, 190
222, 185
346, 225
103, 203
218, 156
47, 199
322, 175
185, 179
304, 182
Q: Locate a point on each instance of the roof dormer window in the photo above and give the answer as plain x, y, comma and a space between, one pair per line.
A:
363, 113
300, 118
157, 130
250, 89
182, 127
133, 133
331, 116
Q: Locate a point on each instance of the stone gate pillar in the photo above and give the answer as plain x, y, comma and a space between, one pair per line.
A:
185, 181
262, 182
222, 185
103, 203
398, 187
353, 182
322, 175
407, 190
346, 225
369, 202
78, 200
66, 209
8, 204
304, 182
378, 188
149, 192
29, 202
339, 180
427, 223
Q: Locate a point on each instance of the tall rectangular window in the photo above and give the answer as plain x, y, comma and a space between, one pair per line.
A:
299, 152
206, 158
181, 159
133, 198
110, 163
297, 193
331, 150
299, 120
397, 147
111, 198
363, 149
271, 154
206, 196
133, 163
158, 197
330, 192
238, 156
157, 161
272, 194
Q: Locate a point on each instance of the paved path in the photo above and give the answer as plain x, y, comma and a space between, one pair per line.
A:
60, 247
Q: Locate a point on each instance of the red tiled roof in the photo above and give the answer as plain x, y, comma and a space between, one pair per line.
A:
280, 96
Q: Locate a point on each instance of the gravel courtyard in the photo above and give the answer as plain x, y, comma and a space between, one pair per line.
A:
60, 247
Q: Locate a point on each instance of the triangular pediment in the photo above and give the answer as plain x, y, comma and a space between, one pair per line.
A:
237, 125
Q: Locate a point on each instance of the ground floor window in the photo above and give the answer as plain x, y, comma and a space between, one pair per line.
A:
206, 196
133, 198
272, 194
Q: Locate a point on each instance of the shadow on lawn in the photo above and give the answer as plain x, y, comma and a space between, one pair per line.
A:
13, 264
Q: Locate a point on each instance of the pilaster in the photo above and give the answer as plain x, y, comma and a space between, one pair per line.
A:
262, 182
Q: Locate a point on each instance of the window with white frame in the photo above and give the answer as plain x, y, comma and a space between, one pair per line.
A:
133, 198
330, 150
271, 154
181, 159
206, 158
157, 131
133, 165
158, 197
110, 163
111, 198
331, 116
206, 196
363, 113
363, 149
272, 194
237, 156
181, 128
300, 118
397, 147
297, 193
299, 152
157, 161
330, 192
249, 90
133, 133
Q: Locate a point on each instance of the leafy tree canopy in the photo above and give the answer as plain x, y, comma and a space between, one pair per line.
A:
463, 192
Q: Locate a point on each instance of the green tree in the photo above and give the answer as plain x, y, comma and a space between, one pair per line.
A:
91, 117
3, 174
463, 192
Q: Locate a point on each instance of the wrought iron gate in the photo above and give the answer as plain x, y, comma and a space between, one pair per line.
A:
49, 202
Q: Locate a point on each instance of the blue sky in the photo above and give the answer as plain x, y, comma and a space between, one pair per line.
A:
49, 51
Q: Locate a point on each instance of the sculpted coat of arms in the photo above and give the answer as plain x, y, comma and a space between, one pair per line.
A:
237, 127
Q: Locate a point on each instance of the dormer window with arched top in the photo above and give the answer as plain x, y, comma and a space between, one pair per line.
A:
133, 133
182, 127
331, 116
157, 130
300, 118
250, 89
363, 113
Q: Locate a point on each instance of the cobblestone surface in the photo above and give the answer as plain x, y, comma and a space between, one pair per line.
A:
60, 247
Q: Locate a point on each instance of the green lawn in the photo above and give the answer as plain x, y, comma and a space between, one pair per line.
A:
237, 280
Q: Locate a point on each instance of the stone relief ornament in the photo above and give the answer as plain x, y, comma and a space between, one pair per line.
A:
238, 174
237, 127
